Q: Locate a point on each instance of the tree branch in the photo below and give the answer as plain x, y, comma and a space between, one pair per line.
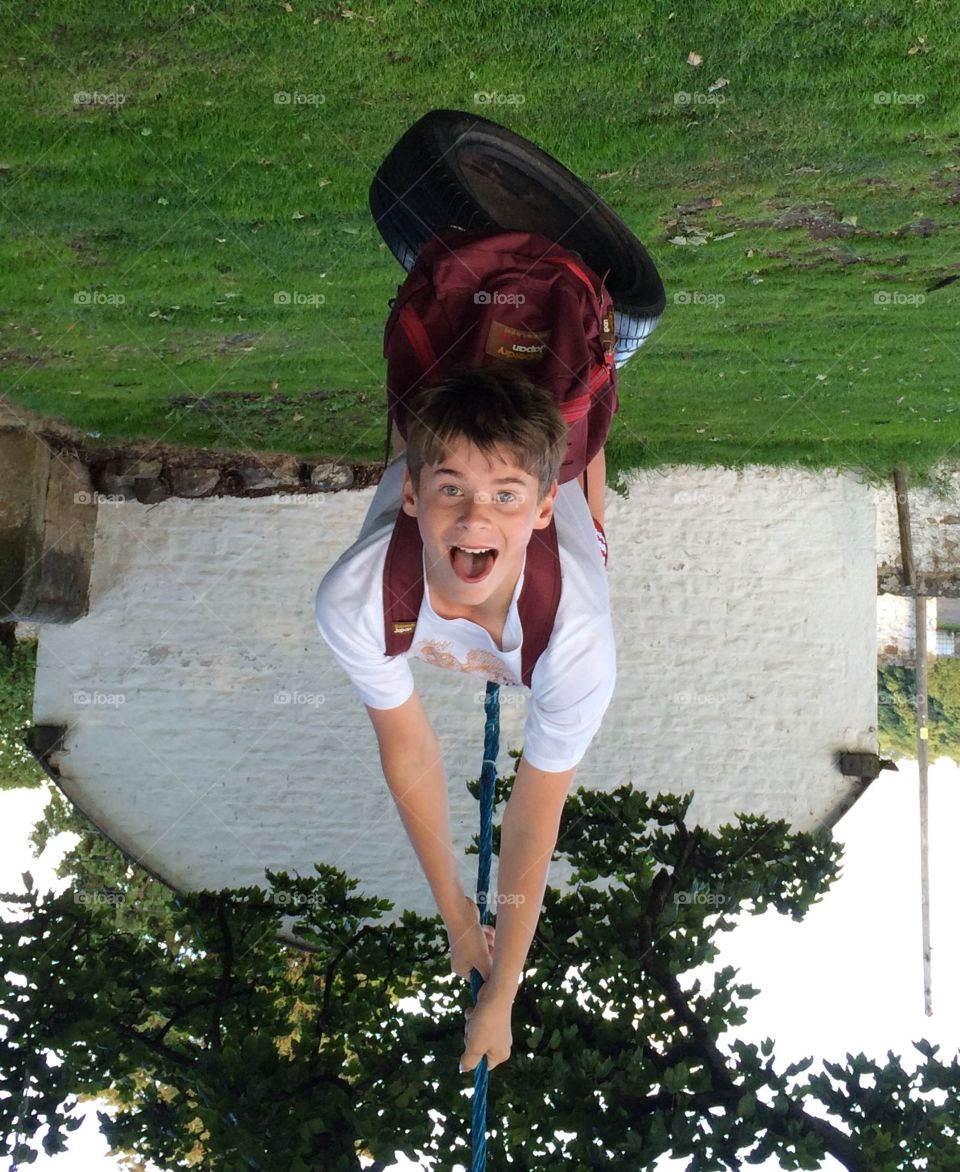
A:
226, 976
161, 1051
837, 1143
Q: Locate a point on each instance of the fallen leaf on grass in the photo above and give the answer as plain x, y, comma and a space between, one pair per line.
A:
694, 59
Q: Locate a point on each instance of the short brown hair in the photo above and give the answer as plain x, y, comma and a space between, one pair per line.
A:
491, 407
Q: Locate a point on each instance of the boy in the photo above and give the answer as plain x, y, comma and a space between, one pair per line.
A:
484, 448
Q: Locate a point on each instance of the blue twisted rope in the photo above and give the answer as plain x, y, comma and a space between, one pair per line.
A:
488, 777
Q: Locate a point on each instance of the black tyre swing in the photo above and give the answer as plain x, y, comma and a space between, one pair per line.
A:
453, 169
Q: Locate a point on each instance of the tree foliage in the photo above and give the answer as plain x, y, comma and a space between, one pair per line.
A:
222, 1048
18, 662
897, 705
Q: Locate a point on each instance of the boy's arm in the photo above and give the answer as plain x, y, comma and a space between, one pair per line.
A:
528, 835
413, 768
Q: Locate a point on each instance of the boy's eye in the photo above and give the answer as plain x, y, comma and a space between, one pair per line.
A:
506, 497
449, 490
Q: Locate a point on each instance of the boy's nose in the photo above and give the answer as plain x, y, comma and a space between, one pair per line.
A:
475, 508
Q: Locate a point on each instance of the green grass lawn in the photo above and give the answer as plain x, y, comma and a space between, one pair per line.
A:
147, 232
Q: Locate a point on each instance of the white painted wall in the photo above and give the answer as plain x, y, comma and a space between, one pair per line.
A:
897, 626
745, 612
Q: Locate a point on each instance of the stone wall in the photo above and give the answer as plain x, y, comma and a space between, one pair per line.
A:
47, 523
935, 534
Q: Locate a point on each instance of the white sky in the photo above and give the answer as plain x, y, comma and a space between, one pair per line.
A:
848, 978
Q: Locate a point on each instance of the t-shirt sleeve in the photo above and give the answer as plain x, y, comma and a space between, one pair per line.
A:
572, 686
573, 681
347, 622
349, 608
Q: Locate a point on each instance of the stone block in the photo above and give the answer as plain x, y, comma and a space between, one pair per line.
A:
48, 518
193, 482
140, 468
150, 490
331, 477
255, 478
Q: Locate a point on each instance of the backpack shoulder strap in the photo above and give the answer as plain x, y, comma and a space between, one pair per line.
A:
539, 597
402, 584
403, 591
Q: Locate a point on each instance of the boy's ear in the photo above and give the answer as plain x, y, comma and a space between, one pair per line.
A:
409, 500
545, 508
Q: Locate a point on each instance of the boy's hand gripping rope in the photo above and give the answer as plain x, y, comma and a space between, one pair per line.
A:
488, 777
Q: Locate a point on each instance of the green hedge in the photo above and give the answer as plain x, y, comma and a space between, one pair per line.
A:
897, 696
17, 668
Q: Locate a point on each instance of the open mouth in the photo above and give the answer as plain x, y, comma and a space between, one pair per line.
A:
472, 564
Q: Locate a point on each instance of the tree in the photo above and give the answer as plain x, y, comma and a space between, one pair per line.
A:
18, 662
223, 1049
897, 703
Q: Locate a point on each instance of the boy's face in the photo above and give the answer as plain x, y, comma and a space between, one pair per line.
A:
469, 502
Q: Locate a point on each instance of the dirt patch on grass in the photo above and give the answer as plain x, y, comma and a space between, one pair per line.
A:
239, 404
16, 357
820, 220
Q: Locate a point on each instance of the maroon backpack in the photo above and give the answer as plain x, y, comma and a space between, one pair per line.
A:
479, 298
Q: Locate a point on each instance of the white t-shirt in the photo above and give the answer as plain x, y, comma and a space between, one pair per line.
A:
573, 680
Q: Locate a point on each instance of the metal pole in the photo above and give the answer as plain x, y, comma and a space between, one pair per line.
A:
920, 667
922, 743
